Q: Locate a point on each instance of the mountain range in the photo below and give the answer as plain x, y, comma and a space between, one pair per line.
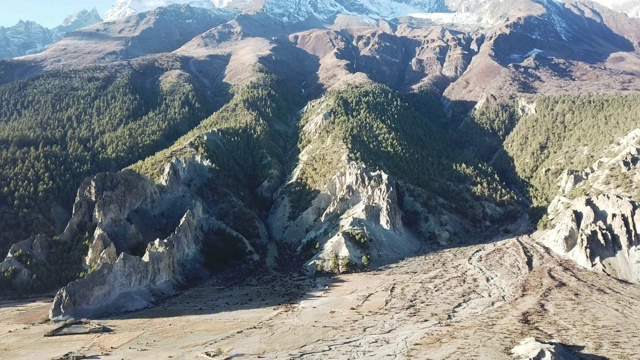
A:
28, 37
181, 139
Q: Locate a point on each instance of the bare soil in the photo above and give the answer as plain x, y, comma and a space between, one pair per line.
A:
474, 302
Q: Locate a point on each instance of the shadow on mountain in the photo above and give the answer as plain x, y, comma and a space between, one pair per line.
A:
16, 70
560, 33
298, 67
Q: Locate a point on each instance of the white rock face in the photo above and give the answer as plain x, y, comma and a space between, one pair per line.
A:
355, 200
131, 212
599, 233
131, 283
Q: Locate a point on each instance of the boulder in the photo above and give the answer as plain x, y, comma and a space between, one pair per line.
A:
534, 349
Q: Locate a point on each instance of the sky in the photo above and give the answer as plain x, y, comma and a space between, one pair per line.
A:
48, 13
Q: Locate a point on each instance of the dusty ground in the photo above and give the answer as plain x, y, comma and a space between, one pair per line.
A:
473, 302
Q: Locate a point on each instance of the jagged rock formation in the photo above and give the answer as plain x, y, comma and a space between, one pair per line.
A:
147, 239
355, 216
372, 192
599, 233
132, 282
37, 246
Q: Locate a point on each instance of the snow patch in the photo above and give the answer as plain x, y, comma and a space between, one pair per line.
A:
451, 18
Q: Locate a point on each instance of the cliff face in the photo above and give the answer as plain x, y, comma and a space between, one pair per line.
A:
143, 240
599, 233
355, 215
131, 282
146, 238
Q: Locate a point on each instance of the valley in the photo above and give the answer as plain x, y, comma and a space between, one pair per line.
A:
330, 179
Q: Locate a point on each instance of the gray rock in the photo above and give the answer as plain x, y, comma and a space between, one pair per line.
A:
599, 233
533, 349
131, 283
356, 199
28, 37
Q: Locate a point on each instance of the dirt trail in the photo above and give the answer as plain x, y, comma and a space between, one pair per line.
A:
473, 302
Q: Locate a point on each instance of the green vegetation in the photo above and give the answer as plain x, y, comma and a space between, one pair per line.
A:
374, 125
334, 263
221, 248
60, 127
483, 132
245, 141
357, 237
64, 263
365, 260
567, 132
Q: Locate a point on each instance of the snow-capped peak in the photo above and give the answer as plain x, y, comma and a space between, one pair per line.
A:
82, 17
291, 10
124, 8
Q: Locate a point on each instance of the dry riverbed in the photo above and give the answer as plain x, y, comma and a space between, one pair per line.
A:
474, 302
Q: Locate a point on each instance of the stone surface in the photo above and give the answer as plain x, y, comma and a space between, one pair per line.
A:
533, 349
136, 256
131, 283
599, 233
355, 199
468, 302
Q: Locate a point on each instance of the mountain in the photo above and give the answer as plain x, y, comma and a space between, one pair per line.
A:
290, 11
28, 37
124, 8
171, 143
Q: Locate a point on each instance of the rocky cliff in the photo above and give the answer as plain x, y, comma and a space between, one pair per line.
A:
148, 238
355, 216
144, 240
599, 233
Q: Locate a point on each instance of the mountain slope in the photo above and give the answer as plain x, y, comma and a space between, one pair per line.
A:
159, 31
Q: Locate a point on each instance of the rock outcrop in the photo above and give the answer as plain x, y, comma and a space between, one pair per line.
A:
356, 215
146, 239
143, 240
131, 282
599, 233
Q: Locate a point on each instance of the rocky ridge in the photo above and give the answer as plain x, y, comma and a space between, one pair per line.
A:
356, 216
147, 240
